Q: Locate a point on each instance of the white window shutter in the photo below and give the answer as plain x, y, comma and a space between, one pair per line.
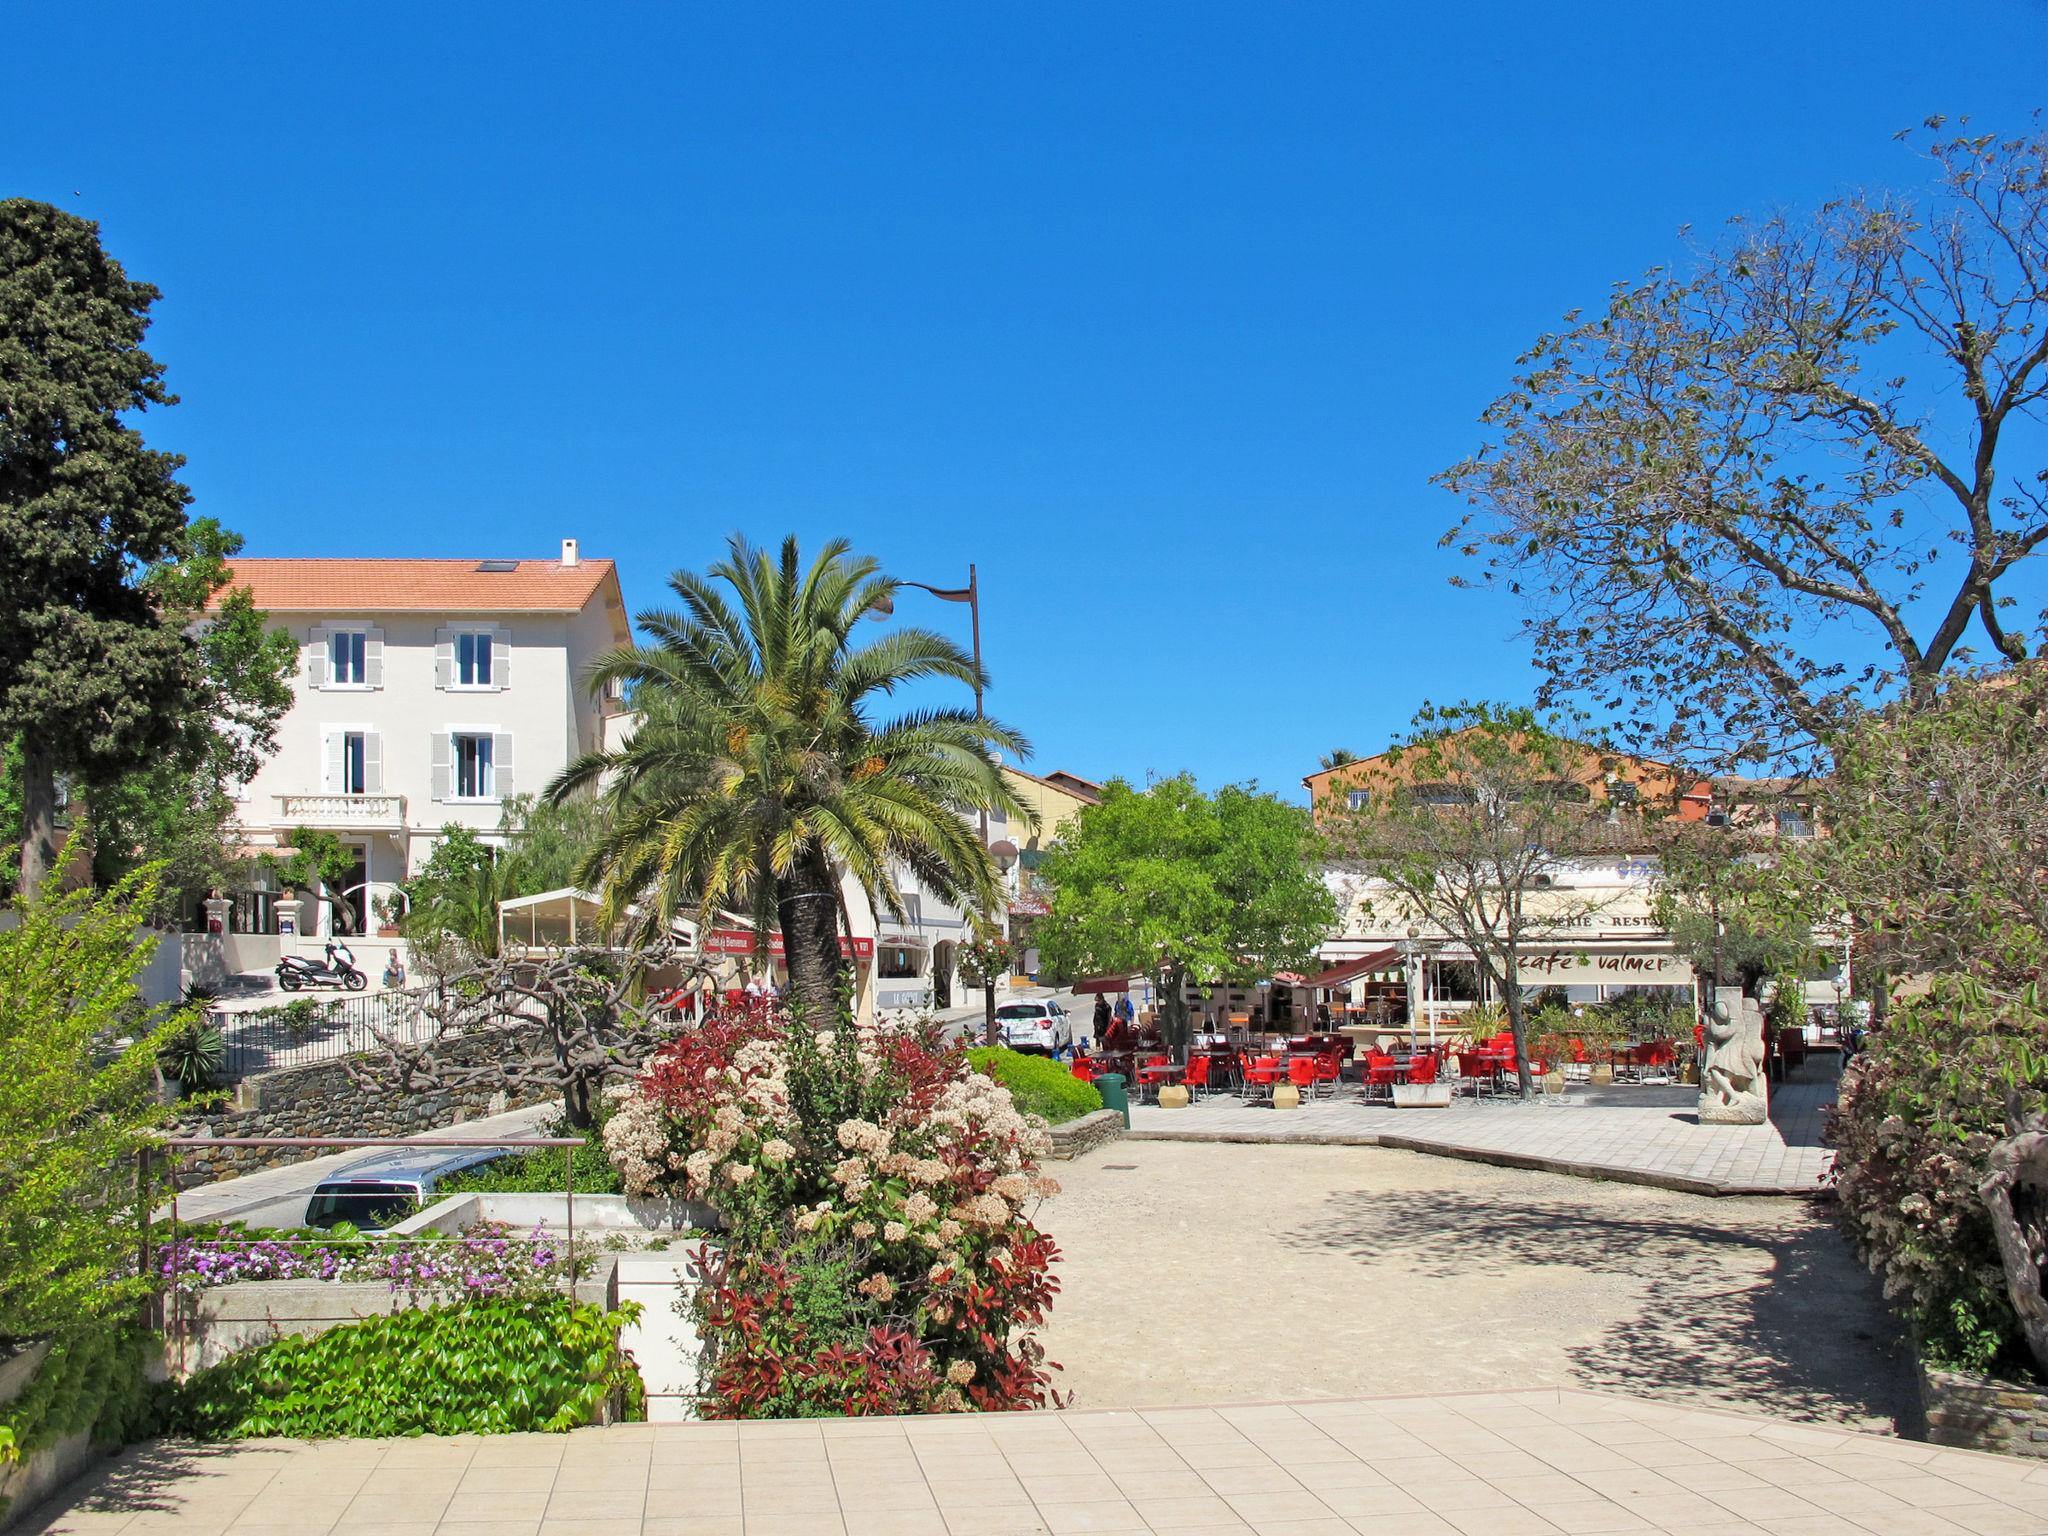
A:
501, 658
373, 658
440, 783
444, 662
501, 765
332, 746
316, 657
373, 763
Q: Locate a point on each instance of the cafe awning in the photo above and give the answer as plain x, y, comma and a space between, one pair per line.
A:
1351, 970
1104, 984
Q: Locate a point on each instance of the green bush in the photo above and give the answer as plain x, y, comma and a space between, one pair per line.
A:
498, 1368
1040, 1085
1918, 1112
540, 1170
91, 1380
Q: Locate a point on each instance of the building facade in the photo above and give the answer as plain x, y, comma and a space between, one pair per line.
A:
429, 692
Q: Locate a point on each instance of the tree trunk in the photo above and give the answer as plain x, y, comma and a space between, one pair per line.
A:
1173, 1006
39, 844
807, 905
988, 1011
2015, 1194
1518, 1024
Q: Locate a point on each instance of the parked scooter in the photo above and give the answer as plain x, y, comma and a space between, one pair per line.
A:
337, 970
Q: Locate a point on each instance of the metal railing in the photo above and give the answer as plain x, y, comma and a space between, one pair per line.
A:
315, 1029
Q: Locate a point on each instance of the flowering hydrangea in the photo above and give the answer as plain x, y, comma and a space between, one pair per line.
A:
871, 1165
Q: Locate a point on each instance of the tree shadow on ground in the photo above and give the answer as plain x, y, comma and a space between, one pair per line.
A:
158, 1477
1760, 1302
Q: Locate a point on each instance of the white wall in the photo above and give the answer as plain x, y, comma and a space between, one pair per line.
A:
534, 707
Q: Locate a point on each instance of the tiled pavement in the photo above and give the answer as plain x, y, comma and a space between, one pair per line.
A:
1645, 1133
1500, 1464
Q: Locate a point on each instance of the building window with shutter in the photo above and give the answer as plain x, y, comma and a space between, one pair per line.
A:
354, 763
474, 779
348, 659
473, 658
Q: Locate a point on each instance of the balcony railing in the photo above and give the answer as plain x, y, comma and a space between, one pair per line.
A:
342, 811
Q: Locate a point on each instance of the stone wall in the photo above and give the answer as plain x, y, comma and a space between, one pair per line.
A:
321, 1099
1070, 1140
1980, 1413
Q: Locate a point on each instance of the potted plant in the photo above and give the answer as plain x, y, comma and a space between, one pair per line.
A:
389, 910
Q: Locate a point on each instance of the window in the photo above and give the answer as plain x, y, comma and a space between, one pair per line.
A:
1793, 824
354, 776
899, 962
1358, 799
473, 658
473, 777
348, 659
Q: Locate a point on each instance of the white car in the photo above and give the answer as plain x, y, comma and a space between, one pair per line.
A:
1042, 1028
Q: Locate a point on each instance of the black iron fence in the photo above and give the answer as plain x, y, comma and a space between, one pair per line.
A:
312, 1029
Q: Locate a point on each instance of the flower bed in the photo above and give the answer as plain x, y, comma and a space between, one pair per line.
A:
487, 1261
878, 1253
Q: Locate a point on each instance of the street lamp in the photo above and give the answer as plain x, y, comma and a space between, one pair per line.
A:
970, 594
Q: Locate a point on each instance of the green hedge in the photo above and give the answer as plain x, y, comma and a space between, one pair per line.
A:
1040, 1085
492, 1368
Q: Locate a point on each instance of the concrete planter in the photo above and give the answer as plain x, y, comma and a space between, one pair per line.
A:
1422, 1095
1173, 1096
1287, 1096
1553, 1082
1982, 1413
1602, 1075
594, 1213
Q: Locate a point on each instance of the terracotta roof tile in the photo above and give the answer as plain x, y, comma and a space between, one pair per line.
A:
421, 586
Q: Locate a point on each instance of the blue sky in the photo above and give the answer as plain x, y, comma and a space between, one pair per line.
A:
1163, 315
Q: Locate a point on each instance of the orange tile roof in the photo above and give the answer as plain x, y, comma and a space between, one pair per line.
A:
421, 586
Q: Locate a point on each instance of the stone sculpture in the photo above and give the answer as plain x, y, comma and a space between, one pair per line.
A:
1733, 1088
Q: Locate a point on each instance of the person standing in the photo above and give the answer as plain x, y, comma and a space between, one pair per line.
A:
1100, 1023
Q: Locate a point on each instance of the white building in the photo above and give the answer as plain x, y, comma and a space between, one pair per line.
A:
428, 692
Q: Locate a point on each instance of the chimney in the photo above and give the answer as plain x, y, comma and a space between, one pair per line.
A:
568, 552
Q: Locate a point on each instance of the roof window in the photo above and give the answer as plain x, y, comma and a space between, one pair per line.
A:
497, 565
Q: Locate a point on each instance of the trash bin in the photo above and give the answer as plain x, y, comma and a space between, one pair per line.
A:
1111, 1086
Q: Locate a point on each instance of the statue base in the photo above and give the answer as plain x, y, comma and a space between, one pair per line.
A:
1742, 1112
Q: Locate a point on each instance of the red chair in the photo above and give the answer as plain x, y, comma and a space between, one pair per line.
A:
1329, 1070
1381, 1072
1155, 1072
1301, 1071
1478, 1073
1196, 1078
1260, 1074
1422, 1069
1084, 1068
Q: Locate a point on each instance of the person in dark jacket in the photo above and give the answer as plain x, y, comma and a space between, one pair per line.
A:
1101, 1020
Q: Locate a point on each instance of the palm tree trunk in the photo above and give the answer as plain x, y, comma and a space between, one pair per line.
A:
807, 906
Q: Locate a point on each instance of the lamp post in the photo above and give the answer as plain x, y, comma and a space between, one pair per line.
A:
971, 596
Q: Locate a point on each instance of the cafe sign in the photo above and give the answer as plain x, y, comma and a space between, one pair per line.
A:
1613, 968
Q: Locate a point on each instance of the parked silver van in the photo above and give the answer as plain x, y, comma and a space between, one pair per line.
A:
384, 1190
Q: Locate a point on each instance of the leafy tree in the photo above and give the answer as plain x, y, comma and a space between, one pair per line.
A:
548, 841
985, 959
455, 898
1179, 885
319, 862
97, 671
757, 777
1721, 899
1749, 500
1937, 833
76, 1104
1474, 831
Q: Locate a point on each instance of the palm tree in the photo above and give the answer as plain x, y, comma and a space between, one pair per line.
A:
1339, 757
756, 777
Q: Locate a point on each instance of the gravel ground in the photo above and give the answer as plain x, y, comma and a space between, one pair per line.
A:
1236, 1273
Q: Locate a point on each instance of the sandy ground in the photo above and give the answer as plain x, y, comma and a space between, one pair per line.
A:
1241, 1273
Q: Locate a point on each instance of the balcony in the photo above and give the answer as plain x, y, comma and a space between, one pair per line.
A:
343, 813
